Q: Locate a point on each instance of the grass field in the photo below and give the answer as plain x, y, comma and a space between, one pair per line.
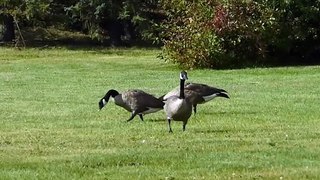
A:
51, 127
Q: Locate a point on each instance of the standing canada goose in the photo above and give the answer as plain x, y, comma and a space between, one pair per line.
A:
177, 107
134, 101
202, 92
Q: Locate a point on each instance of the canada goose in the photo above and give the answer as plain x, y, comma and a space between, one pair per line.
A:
204, 93
177, 107
134, 101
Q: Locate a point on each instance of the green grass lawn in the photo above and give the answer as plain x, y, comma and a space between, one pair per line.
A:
51, 127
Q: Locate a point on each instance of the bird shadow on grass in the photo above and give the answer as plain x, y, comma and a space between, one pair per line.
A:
215, 131
230, 112
156, 120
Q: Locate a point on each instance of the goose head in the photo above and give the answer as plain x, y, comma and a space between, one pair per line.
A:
113, 93
102, 103
183, 75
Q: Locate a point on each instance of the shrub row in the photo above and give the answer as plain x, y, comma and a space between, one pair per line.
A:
232, 34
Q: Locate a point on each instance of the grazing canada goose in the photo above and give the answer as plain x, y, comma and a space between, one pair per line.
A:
177, 107
202, 92
134, 101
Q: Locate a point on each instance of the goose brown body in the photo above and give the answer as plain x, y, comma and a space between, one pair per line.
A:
135, 101
178, 107
198, 93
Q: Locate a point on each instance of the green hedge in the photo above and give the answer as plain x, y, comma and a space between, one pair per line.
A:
232, 34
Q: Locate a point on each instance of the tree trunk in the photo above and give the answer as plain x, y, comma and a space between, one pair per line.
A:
8, 34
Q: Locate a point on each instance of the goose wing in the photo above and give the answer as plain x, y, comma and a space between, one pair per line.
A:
203, 89
192, 96
173, 92
197, 93
207, 92
138, 99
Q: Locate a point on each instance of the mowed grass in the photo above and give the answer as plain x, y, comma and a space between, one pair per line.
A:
51, 127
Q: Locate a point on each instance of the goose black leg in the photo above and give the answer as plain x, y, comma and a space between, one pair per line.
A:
132, 116
195, 109
169, 123
184, 126
141, 117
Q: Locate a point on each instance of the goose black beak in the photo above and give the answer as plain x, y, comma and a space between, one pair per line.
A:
225, 95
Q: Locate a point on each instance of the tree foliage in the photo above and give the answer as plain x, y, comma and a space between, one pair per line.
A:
218, 34
199, 33
118, 20
31, 11
299, 30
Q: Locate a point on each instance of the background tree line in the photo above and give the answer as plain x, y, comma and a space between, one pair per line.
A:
201, 33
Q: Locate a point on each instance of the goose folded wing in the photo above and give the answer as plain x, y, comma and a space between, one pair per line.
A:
203, 89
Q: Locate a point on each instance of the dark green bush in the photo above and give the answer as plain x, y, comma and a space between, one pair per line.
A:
299, 30
231, 34
211, 34
189, 40
244, 29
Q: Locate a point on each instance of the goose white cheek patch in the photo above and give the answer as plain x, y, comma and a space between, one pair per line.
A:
185, 77
104, 102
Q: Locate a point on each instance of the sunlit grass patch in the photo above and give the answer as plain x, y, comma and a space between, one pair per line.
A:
52, 129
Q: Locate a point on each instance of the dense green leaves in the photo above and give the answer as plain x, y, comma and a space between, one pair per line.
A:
187, 36
118, 20
31, 10
219, 34
298, 34
202, 33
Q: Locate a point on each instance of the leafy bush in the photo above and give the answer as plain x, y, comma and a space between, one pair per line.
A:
118, 21
244, 29
229, 34
212, 34
189, 39
299, 31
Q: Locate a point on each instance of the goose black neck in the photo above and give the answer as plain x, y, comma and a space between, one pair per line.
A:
113, 93
182, 88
